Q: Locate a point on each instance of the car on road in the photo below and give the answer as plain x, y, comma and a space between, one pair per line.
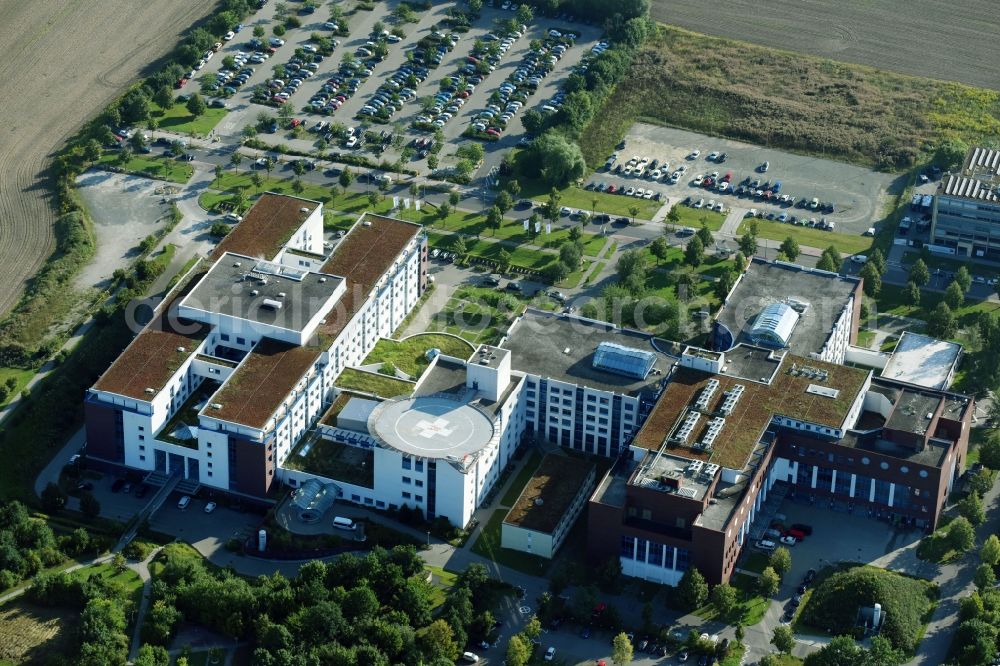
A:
514, 287
788, 540
764, 167
470, 657
682, 656
491, 281
712, 156
693, 155
184, 502
210, 507
550, 654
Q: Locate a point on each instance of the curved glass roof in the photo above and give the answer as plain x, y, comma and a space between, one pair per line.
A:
774, 325
623, 360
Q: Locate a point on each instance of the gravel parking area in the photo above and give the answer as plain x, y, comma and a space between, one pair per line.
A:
125, 209
856, 192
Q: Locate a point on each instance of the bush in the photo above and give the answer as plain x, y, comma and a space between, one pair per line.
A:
834, 604
137, 550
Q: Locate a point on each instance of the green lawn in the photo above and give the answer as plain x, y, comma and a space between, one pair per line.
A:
750, 608
177, 550
368, 382
521, 480
577, 197
695, 217
128, 579
178, 119
151, 166
442, 582
488, 545
477, 314
936, 548
808, 236
19, 375
865, 338
410, 355
522, 257
474, 224
892, 300
735, 656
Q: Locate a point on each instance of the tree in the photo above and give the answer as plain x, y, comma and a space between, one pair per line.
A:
673, 217
963, 278
503, 260
840, 651
152, 655
912, 293
258, 181
694, 253
119, 563
985, 577
621, 650
826, 263
524, 15
960, 535
553, 158
768, 582
692, 590
633, 211
454, 198
437, 641
631, 263
783, 639
460, 248
570, 254
974, 642
53, 497
163, 97
346, 178
971, 507
989, 451
970, 607
196, 105
659, 248
919, 273
705, 234
942, 323
950, 153
443, 211
725, 284
780, 560
234, 161
739, 632
989, 553
503, 201
89, 505
873, 279
748, 244
518, 650
494, 218
724, 598
877, 259
954, 295
790, 248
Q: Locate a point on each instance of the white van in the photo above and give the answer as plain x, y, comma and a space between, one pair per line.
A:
470, 657
766, 545
859, 259
344, 524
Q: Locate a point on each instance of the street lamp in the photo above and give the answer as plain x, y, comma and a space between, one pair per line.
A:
428, 538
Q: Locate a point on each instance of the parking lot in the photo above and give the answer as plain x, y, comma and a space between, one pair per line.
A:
858, 194
243, 112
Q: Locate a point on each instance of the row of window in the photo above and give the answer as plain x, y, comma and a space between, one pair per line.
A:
656, 554
839, 459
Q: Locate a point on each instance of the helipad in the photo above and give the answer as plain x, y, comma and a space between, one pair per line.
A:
431, 427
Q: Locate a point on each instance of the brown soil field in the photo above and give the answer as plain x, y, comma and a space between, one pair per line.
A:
30, 634
952, 41
64, 62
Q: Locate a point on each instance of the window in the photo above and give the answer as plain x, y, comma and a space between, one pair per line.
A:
628, 547
866, 460
923, 474
142, 448
647, 514
884, 465
419, 483
407, 462
420, 466
406, 481
406, 495
142, 457
224, 337
904, 469
241, 341
418, 498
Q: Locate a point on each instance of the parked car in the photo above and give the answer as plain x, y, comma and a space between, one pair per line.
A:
210, 507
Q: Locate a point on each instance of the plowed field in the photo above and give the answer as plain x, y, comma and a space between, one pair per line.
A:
952, 41
63, 61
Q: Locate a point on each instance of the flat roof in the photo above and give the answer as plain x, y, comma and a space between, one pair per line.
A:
267, 226
665, 472
549, 493
923, 360
539, 341
369, 248
153, 357
913, 411
768, 282
978, 179
261, 383
787, 394
263, 292
446, 376
437, 427
364, 255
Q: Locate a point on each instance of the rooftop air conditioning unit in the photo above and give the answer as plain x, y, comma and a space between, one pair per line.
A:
303, 210
181, 349
216, 405
322, 279
150, 391
281, 294
237, 264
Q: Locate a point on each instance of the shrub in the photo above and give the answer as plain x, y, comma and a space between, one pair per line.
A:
834, 604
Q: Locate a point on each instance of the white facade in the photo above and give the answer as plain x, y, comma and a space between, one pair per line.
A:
380, 312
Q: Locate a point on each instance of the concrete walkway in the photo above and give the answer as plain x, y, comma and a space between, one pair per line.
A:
141, 568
